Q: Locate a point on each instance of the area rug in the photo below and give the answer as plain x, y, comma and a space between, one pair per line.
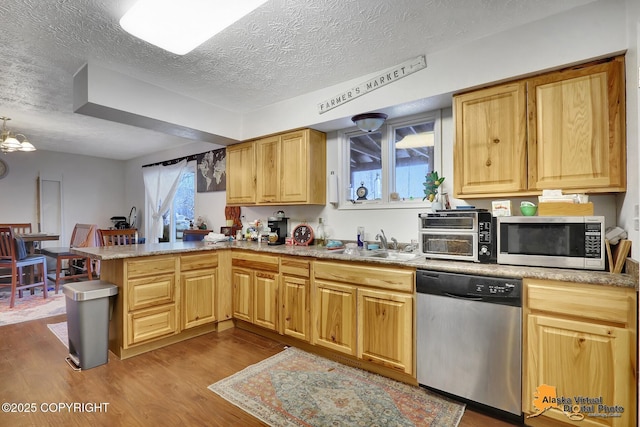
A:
296, 388
60, 331
31, 307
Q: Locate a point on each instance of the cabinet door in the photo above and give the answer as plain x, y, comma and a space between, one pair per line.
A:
385, 329
268, 170
265, 300
198, 297
335, 316
295, 307
242, 298
150, 291
576, 128
580, 358
151, 323
241, 174
294, 167
490, 145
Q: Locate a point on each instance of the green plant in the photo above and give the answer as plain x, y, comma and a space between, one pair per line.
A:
431, 184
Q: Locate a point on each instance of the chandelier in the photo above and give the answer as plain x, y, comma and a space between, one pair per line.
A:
10, 142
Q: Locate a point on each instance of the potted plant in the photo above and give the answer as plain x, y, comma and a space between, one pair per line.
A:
431, 184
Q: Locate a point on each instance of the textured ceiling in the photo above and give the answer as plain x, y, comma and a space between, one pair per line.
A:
283, 49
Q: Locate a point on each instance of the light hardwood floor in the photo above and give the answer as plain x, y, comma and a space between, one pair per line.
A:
166, 387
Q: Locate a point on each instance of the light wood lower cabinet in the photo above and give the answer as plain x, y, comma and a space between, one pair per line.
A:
151, 304
366, 311
164, 299
385, 328
198, 282
579, 342
255, 284
295, 310
335, 316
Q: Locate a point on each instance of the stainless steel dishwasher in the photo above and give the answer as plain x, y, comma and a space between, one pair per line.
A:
469, 339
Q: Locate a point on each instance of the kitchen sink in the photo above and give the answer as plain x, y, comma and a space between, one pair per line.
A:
392, 256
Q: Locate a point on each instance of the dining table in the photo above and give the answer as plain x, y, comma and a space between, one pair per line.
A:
33, 240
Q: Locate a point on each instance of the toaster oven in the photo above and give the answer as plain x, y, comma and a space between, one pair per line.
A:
467, 235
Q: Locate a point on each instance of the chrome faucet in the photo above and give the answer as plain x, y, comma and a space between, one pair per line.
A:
395, 243
383, 240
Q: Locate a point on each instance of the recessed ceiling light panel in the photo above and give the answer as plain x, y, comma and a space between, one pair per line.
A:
181, 26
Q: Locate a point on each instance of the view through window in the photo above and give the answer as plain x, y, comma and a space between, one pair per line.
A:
390, 165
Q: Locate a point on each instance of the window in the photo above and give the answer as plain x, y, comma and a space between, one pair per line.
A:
182, 213
388, 167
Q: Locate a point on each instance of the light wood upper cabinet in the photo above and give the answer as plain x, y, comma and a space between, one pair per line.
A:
491, 140
563, 129
577, 128
268, 169
290, 168
303, 170
241, 174
580, 339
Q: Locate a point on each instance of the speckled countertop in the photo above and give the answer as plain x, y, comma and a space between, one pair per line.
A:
583, 276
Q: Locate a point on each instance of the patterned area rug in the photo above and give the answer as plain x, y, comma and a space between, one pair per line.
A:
31, 307
60, 331
296, 388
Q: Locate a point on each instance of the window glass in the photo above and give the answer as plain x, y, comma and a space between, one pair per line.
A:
365, 166
184, 202
413, 154
182, 213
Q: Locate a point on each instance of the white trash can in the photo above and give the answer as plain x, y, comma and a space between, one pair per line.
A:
88, 314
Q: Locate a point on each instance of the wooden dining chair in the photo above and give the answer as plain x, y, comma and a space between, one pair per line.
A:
19, 228
70, 266
126, 236
15, 260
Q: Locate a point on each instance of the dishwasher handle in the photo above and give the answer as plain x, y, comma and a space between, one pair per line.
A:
463, 297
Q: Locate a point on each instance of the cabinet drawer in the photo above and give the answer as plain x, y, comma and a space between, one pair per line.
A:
198, 261
145, 325
379, 277
255, 261
151, 265
294, 266
151, 291
602, 303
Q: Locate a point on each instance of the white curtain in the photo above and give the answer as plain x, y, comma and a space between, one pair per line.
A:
161, 184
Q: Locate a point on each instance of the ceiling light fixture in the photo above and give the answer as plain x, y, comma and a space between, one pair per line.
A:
369, 122
181, 26
9, 141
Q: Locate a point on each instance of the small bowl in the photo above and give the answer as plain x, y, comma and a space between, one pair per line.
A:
528, 210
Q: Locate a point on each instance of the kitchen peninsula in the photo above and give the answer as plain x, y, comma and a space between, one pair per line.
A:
355, 309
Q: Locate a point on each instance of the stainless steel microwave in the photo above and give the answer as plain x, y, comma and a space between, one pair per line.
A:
549, 241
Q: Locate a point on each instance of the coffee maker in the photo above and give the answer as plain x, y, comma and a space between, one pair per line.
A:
278, 226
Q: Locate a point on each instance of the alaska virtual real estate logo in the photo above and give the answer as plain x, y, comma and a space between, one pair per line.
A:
576, 408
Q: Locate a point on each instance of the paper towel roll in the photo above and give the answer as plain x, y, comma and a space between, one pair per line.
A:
333, 188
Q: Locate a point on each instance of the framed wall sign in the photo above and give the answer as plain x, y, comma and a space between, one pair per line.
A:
211, 171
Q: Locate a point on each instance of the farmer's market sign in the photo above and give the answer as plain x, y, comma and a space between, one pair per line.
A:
389, 76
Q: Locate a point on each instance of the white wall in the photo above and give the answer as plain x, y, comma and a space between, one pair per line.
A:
598, 29
93, 189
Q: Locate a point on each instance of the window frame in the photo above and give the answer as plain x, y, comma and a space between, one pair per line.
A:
387, 161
